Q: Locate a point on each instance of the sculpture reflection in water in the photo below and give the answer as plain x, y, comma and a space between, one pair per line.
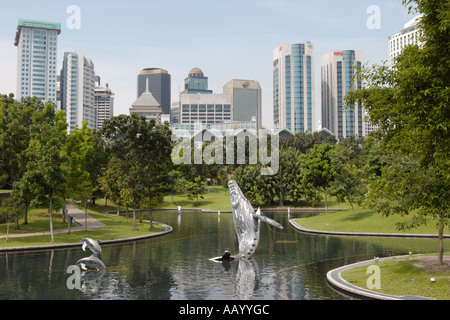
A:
246, 223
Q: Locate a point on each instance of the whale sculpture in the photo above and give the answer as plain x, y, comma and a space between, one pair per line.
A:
91, 263
93, 245
246, 223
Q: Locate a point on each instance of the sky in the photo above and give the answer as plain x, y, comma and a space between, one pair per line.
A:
227, 39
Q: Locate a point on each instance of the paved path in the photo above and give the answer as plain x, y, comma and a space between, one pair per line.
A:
79, 221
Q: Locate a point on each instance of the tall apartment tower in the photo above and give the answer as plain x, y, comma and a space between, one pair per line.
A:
159, 84
37, 43
410, 34
338, 71
293, 87
246, 100
103, 103
77, 82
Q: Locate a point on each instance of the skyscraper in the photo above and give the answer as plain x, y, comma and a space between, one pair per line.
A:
293, 87
78, 90
36, 43
103, 104
246, 100
159, 82
338, 71
410, 34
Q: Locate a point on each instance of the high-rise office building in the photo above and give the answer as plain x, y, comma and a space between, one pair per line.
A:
78, 90
338, 71
246, 100
159, 84
293, 87
36, 43
103, 103
196, 82
410, 34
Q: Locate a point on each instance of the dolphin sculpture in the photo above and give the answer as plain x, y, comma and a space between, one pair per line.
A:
91, 263
246, 223
93, 245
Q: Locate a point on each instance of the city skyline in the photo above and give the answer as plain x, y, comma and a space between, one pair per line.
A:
227, 40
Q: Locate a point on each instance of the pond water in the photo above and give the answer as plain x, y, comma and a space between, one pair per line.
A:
287, 265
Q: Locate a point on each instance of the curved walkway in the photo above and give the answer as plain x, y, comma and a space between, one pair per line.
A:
79, 218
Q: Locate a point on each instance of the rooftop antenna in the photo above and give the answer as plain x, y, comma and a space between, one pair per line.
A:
146, 86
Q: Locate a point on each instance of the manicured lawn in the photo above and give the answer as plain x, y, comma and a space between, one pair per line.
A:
38, 220
401, 276
116, 228
217, 198
365, 220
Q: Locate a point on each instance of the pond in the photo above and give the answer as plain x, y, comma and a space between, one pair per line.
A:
287, 265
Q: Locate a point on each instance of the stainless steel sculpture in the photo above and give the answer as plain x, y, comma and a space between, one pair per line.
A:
92, 262
246, 223
93, 245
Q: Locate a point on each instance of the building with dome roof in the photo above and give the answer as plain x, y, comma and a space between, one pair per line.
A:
196, 83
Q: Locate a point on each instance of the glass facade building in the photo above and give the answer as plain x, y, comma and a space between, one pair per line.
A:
36, 43
338, 69
293, 87
159, 84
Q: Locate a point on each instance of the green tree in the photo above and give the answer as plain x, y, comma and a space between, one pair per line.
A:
410, 102
347, 184
9, 209
196, 189
15, 123
44, 173
142, 150
290, 175
16, 119
77, 153
258, 189
317, 171
98, 166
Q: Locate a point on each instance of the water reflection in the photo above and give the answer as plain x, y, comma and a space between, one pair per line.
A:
287, 265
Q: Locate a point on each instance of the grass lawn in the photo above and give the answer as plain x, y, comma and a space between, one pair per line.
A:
216, 199
38, 221
405, 276
116, 228
365, 220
